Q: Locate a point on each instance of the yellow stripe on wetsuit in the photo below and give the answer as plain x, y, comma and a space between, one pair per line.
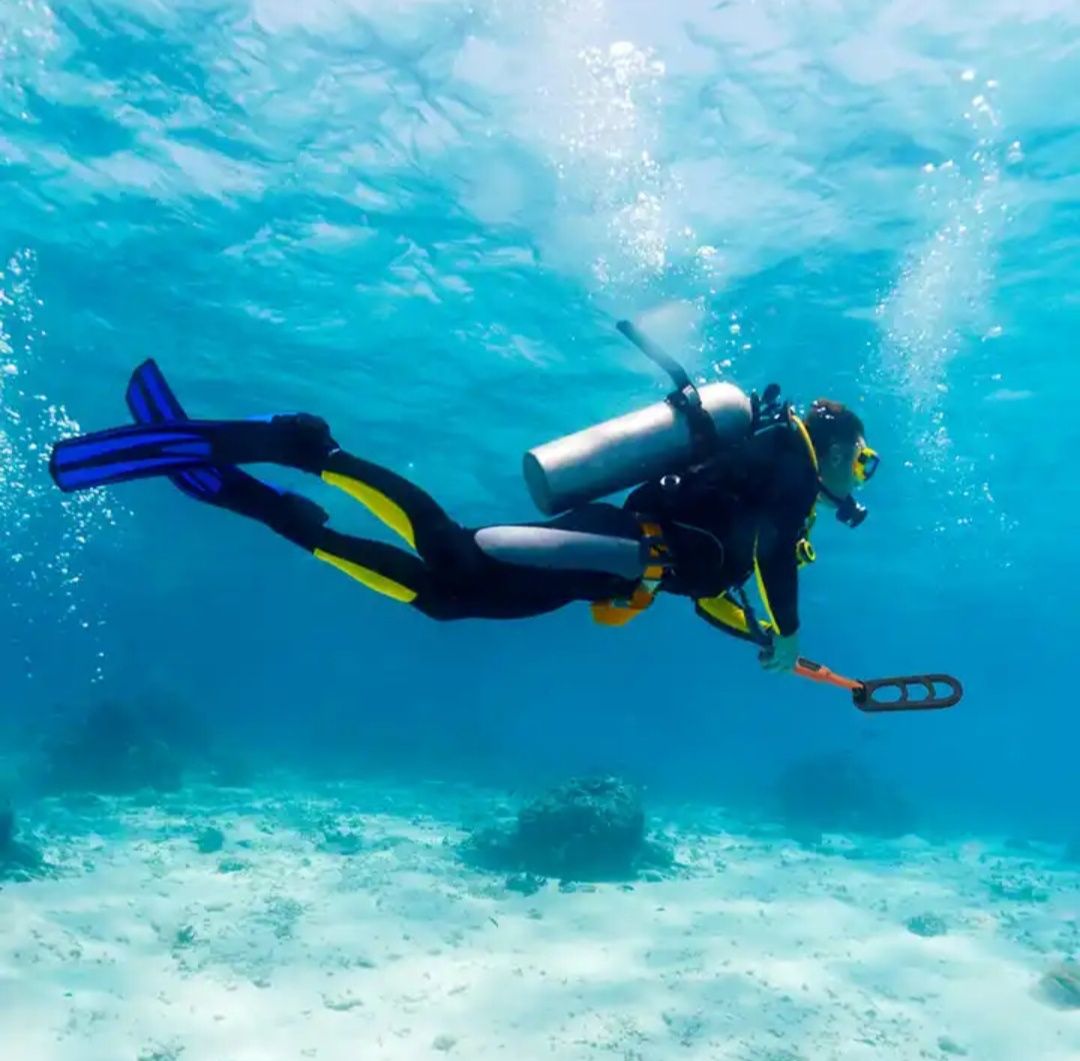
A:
390, 513
762, 591
380, 506
809, 442
372, 579
801, 427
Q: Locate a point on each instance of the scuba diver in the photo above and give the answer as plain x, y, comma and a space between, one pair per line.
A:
723, 488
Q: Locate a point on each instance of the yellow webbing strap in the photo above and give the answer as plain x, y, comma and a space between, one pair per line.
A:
372, 579
619, 613
380, 506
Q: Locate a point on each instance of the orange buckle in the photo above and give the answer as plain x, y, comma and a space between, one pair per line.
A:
653, 536
619, 613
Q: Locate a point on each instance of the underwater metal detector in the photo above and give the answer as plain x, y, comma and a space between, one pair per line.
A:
872, 695
865, 693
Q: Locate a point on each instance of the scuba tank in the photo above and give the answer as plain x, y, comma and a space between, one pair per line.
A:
686, 428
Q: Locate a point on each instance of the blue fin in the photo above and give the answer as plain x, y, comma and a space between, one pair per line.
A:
164, 442
124, 453
152, 401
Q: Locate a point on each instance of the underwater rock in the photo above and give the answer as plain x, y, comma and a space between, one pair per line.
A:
342, 1003
161, 1053
835, 793
586, 829
927, 925
569, 886
950, 1046
341, 842
1019, 887
114, 750
525, 883
1060, 986
210, 841
19, 862
185, 936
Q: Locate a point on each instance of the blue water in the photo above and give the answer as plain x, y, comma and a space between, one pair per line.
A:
421, 220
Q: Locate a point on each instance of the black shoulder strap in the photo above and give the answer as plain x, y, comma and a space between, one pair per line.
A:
685, 398
768, 411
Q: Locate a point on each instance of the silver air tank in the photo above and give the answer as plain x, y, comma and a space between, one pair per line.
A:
630, 449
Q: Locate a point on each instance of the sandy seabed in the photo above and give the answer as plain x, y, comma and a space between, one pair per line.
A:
340, 924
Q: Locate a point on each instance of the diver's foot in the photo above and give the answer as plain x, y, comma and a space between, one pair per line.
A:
306, 440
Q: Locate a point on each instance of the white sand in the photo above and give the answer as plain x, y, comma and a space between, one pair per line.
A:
759, 951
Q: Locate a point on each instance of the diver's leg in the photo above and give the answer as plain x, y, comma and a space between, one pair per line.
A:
402, 576
383, 568
299, 440
296, 440
393, 572
303, 441
460, 573
469, 584
293, 516
410, 512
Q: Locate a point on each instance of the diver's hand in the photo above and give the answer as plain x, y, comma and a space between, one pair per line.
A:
782, 655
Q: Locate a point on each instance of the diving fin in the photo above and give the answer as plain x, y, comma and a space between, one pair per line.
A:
143, 451
151, 401
121, 454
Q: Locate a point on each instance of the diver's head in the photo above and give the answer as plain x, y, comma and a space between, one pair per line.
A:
845, 461
838, 436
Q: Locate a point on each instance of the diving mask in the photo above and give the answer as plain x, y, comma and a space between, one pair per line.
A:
863, 468
865, 464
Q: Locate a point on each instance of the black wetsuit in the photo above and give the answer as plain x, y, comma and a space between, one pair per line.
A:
752, 503
697, 534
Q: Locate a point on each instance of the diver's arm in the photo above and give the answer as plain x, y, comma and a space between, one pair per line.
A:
781, 526
777, 567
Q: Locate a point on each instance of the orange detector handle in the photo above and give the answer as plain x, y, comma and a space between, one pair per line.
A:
879, 695
807, 668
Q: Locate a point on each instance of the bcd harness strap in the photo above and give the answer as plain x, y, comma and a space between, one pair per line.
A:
685, 399
618, 612
804, 551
